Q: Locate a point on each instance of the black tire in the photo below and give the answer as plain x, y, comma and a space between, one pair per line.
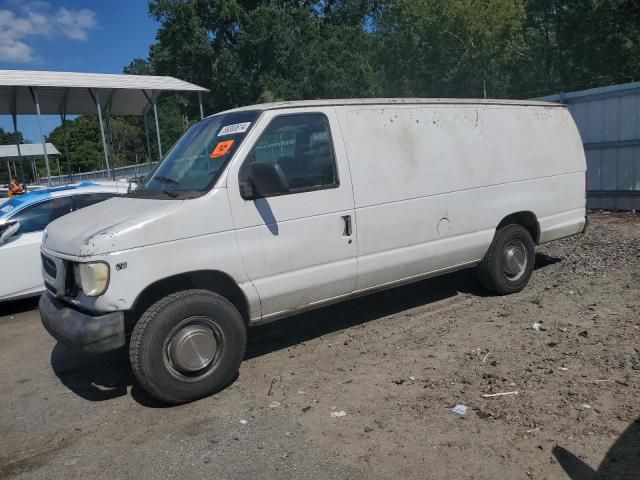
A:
492, 270
151, 342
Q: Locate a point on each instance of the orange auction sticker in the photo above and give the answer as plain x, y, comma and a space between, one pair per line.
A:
222, 148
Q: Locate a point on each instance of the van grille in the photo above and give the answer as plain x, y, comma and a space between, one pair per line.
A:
50, 288
49, 266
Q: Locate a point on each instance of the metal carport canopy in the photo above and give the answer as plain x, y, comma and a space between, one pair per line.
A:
24, 92
73, 93
26, 150
17, 152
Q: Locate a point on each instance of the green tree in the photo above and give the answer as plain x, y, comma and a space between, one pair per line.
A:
83, 142
10, 138
174, 112
308, 59
453, 48
578, 44
249, 51
127, 143
125, 136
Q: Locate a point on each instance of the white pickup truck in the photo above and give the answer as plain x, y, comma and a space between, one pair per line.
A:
268, 210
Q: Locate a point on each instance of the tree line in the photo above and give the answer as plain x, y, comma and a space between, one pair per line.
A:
252, 51
248, 51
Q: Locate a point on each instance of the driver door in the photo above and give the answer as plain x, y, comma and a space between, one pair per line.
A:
298, 247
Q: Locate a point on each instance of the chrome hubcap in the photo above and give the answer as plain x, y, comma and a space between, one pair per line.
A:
192, 348
514, 260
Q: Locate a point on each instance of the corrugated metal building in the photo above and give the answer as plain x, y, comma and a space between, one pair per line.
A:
609, 121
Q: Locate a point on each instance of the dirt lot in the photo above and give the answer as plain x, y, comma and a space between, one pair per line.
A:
394, 362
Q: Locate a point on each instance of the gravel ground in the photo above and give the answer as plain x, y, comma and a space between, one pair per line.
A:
395, 363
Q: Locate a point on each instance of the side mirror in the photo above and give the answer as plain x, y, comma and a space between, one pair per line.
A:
7, 230
268, 179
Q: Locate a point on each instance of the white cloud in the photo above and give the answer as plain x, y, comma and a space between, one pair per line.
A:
76, 23
38, 18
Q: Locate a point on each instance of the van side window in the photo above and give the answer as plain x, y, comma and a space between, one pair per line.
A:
301, 147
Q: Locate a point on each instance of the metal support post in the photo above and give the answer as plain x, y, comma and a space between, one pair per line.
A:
63, 119
146, 133
109, 132
200, 102
34, 94
20, 159
34, 165
104, 139
15, 134
155, 113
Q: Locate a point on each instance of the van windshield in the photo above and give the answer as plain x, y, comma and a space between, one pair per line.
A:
196, 160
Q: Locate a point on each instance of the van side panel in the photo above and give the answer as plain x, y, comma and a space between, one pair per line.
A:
431, 183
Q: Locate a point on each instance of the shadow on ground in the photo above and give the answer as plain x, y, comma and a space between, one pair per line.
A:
622, 461
104, 377
303, 327
300, 328
98, 378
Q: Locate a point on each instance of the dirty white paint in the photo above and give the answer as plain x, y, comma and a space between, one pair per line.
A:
156, 238
472, 164
425, 185
293, 246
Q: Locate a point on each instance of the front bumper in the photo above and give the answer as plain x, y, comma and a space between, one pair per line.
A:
89, 333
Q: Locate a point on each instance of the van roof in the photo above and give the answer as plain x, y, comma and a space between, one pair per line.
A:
392, 101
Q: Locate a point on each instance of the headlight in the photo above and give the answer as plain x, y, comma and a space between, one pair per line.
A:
94, 278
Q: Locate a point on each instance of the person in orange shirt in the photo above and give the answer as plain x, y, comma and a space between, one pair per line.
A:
15, 188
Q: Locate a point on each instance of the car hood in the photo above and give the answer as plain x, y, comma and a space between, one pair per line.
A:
118, 224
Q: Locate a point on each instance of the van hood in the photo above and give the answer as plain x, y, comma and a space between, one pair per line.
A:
116, 224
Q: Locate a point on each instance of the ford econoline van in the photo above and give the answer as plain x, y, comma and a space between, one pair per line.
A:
264, 211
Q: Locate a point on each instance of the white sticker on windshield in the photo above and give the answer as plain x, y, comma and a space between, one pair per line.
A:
6, 208
233, 129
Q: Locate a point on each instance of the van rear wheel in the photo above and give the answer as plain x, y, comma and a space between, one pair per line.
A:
507, 265
187, 346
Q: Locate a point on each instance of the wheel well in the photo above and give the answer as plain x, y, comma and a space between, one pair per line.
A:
527, 220
213, 280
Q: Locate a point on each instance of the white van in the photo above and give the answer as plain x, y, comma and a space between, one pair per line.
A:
265, 211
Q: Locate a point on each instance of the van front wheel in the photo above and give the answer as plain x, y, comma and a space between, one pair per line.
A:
507, 265
187, 346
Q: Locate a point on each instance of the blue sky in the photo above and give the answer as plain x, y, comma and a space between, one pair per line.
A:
71, 35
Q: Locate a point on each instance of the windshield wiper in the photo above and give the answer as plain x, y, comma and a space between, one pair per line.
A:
171, 193
168, 182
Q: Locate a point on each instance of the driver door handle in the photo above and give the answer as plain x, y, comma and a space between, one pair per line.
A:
347, 226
